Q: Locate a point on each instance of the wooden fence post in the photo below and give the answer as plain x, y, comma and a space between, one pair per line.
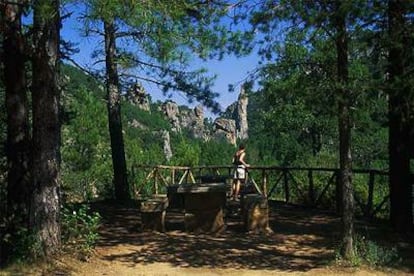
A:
156, 181
311, 188
368, 210
264, 183
338, 193
286, 185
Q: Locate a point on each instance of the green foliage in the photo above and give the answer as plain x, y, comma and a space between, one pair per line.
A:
186, 152
150, 121
143, 143
80, 229
295, 119
373, 254
216, 153
370, 134
144, 149
86, 156
21, 244
76, 79
293, 115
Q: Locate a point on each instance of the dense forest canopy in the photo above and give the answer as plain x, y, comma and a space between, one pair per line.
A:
334, 90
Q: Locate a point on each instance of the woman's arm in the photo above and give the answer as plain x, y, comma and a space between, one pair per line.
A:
242, 159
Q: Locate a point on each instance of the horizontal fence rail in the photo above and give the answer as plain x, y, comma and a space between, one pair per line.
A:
313, 187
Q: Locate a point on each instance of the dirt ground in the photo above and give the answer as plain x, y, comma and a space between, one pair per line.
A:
302, 243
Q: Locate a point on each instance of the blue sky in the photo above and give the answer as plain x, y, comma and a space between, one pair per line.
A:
229, 70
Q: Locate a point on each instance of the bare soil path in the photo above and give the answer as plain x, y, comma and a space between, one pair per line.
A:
303, 243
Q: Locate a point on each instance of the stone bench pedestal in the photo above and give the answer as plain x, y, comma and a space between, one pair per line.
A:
204, 212
153, 214
204, 204
255, 213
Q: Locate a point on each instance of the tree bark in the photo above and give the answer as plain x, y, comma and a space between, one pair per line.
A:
400, 113
45, 208
18, 137
344, 126
114, 114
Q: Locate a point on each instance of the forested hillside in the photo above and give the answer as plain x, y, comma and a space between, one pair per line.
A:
86, 162
288, 126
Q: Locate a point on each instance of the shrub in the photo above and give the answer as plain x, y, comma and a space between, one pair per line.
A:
20, 244
375, 254
372, 254
80, 229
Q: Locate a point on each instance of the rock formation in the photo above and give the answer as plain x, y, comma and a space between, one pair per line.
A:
193, 120
139, 97
235, 114
137, 124
241, 120
172, 112
232, 126
165, 135
225, 128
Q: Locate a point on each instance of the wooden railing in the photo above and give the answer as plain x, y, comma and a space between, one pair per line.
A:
314, 187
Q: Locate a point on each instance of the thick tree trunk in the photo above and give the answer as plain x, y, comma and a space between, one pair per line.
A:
345, 164
45, 208
18, 140
400, 113
114, 115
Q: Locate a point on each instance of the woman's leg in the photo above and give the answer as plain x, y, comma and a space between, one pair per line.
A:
237, 190
233, 188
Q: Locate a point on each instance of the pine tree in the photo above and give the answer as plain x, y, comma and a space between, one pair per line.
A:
159, 39
401, 107
45, 205
18, 138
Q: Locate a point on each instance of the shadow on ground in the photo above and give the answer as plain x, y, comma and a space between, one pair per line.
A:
303, 239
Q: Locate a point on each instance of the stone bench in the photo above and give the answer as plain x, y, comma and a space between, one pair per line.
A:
153, 212
255, 213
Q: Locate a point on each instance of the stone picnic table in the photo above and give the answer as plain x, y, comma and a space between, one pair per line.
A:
204, 205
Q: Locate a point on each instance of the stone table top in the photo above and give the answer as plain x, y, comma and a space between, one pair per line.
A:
200, 187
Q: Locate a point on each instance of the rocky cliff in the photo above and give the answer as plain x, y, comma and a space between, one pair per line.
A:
241, 117
233, 122
233, 125
190, 119
225, 128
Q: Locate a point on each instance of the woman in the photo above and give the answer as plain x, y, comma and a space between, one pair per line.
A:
239, 171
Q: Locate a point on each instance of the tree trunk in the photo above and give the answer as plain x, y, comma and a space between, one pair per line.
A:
114, 114
401, 215
46, 128
18, 138
344, 126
